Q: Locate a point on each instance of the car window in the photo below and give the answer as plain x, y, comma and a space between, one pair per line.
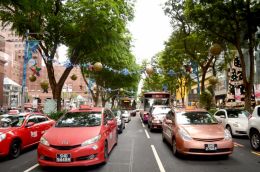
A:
79, 119
110, 115
196, 118
42, 119
11, 121
32, 119
237, 114
219, 113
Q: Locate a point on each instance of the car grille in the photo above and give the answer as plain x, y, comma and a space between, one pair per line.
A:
64, 147
208, 140
204, 151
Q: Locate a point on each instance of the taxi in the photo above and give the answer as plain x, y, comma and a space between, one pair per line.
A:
81, 137
20, 131
196, 132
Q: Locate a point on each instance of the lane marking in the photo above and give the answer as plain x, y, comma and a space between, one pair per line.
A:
132, 156
256, 153
238, 145
157, 158
143, 125
147, 135
31, 168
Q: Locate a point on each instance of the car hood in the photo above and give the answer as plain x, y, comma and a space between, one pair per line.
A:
213, 131
7, 129
73, 136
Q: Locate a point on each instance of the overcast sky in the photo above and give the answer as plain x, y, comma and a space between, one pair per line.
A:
150, 29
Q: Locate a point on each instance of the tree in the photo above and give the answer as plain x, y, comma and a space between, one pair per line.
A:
79, 24
234, 21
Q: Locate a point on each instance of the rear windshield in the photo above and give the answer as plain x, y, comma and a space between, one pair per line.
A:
161, 110
197, 118
79, 119
237, 114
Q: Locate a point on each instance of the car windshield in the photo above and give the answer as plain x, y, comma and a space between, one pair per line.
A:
79, 119
11, 121
197, 118
161, 110
237, 113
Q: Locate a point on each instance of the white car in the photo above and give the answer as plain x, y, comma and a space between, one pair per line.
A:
235, 120
126, 115
254, 128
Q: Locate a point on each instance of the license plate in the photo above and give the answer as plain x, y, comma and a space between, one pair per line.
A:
211, 147
63, 158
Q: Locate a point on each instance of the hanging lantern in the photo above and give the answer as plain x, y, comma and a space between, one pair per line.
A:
97, 66
149, 69
121, 89
73, 77
44, 85
32, 78
215, 49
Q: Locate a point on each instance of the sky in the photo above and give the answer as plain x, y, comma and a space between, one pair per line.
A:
150, 29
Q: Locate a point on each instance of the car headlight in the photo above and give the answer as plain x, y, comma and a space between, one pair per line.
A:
2, 136
44, 141
184, 135
227, 135
92, 140
236, 124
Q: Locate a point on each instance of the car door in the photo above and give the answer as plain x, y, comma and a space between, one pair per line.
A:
113, 128
44, 124
31, 132
168, 126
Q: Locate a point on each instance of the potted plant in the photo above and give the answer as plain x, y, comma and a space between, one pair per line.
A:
32, 78
44, 85
73, 77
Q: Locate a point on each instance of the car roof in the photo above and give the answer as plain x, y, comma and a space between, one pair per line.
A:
190, 110
87, 109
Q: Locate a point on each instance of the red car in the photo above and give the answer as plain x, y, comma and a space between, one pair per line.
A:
21, 131
81, 137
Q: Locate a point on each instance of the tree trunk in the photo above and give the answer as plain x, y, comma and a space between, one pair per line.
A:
113, 102
203, 77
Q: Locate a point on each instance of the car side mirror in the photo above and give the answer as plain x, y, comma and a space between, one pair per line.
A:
110, 122
168, 121
29, 124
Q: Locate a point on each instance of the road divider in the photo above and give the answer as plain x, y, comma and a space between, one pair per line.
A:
157, 158
31, 168
147, 135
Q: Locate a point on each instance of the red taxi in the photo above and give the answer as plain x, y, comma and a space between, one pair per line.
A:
21, 131
81, 137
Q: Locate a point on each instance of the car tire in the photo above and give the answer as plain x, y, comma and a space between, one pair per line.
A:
255, 140
229, 129
105, 152
163, 138
174, 148
15, 149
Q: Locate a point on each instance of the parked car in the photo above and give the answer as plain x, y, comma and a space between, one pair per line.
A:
235, 120
126, 116
196, 132
81, 137
20, 131
13, 112
158, 113
254, 128
120, 120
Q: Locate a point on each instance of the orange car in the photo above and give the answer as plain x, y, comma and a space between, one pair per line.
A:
196, 132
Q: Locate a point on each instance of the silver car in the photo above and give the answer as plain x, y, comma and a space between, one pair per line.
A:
126, 115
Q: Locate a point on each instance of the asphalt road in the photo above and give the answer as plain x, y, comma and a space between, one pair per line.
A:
140, 150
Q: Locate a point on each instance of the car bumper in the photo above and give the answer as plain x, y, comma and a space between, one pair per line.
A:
156, 125
198, 147
239, 131
81, 156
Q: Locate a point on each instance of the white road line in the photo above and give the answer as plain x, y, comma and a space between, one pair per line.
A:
256, 153
157, 158
31, 168
147, 135
143, 125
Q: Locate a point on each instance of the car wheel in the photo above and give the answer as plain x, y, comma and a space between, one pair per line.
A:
174, 148
106, 152
163, 138
229, 129
255, 140
15, 149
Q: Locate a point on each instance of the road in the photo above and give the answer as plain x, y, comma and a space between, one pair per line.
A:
140, 150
